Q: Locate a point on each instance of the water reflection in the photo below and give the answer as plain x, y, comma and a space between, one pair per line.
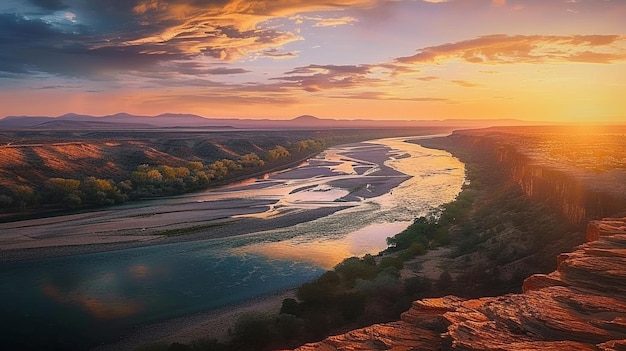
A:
328, 252
100, 307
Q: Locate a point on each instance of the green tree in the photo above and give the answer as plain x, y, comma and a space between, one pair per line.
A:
66, 192
355, 268
251, 160
24, 196
290, 306
101, 191
276, 153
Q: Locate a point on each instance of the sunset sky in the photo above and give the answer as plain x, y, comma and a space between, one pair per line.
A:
556, 60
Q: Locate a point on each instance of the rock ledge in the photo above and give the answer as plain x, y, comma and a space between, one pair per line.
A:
580, 306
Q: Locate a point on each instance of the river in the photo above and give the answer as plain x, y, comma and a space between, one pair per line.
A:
373, 190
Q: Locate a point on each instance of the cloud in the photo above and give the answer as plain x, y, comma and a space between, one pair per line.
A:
332, 22
226, 70
427, 78
232, 29
316, 78
324, 22
97, 37
464, 83
275, 54
375, 95
505, 49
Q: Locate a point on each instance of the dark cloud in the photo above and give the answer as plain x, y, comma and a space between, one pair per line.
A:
34, 46
275, 54
101, 36
226, 70
20, 38
314, 78
17, 29
50, 5
332, 69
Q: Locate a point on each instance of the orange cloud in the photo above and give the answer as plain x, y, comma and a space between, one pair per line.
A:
232, 29
464, 83
505, 49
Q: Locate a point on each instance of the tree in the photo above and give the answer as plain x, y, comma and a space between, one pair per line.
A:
101, 191
5, 201
251, 160
24, 196
66, 192
321, 289
352, 268
195, 166
290, 306
278, 152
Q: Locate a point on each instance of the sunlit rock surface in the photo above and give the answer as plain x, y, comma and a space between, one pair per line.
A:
580, 306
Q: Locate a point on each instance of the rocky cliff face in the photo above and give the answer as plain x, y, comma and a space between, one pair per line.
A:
577, 200
580, 306
583, 175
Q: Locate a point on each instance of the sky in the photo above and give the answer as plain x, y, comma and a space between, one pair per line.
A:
538, 60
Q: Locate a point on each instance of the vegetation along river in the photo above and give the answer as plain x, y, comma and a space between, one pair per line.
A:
370, 191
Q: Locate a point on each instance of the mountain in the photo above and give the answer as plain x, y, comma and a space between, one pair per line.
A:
17, 122
171, 120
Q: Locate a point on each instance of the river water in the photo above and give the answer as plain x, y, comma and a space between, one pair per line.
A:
77, 302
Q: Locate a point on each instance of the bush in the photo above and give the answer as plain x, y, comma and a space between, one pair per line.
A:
351, 305
254, 329
290, 306
417, 285
322, 289
355, 268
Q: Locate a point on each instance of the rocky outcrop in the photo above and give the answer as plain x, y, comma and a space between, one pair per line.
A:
580, 306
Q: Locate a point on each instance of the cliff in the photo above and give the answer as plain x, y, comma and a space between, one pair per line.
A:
581, 172
580, 306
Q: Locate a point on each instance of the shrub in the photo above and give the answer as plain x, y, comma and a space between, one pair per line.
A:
354, 268
254, 329
290, 306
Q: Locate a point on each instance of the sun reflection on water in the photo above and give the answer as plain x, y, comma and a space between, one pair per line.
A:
435, 179
328, 252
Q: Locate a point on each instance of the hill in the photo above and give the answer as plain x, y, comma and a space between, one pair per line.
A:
125, 121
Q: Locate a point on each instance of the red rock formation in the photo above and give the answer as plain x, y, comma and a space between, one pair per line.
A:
580, 306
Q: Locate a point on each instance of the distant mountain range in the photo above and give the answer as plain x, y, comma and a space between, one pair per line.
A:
72, 121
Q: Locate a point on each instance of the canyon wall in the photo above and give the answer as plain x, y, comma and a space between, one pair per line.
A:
580, 306
580, 194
